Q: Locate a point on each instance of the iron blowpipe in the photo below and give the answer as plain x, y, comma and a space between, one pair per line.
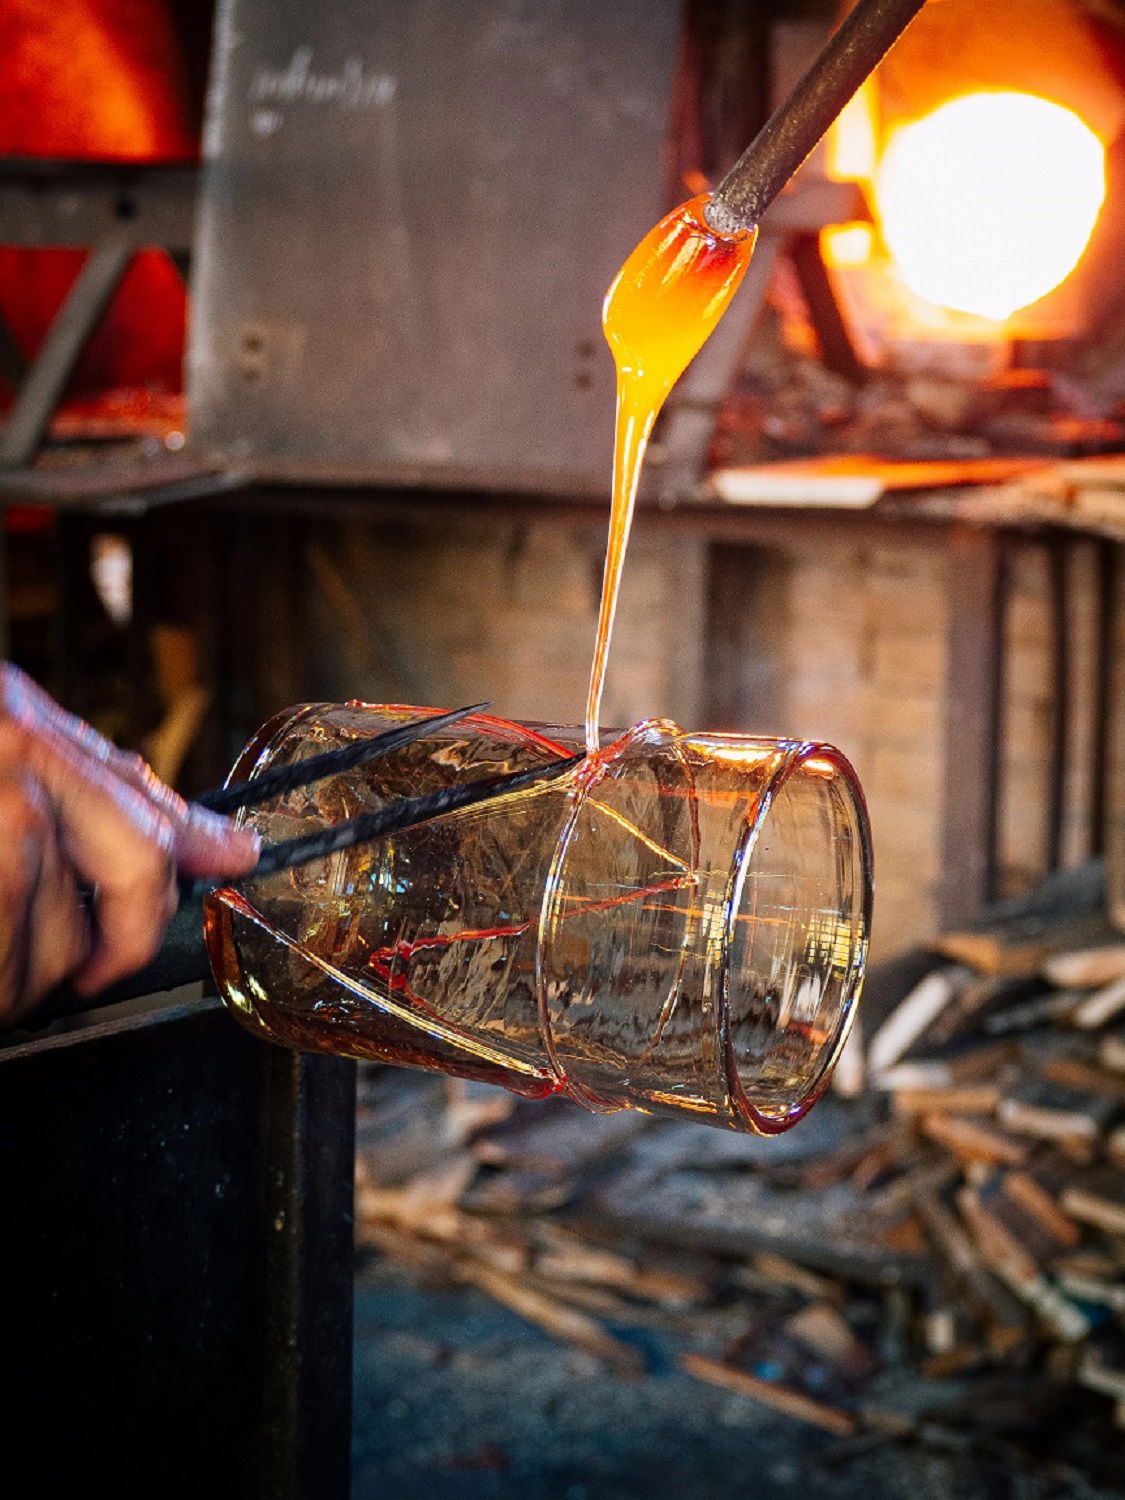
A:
795, 127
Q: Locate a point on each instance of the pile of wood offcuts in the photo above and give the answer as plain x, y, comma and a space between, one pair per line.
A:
935, 1256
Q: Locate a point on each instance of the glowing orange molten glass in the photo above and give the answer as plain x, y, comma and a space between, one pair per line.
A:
988, 203
658, 313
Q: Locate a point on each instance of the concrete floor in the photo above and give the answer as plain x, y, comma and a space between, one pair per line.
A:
458, 1399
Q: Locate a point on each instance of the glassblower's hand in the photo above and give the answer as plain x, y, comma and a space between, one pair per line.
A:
74, 809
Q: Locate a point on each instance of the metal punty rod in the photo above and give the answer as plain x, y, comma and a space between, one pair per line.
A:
795, 127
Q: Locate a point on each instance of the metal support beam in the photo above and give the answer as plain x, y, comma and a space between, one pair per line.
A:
836, 347
54, 201
68, 335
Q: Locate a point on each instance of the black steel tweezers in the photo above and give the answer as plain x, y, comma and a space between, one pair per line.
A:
182, 958
367, 826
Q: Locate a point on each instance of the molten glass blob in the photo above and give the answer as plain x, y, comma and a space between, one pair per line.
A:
987, 204
658, 314
679, 925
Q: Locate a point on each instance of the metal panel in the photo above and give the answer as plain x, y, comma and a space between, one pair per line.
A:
409, 217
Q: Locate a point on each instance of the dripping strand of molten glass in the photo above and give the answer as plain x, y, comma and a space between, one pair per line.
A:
633, 427
657, 315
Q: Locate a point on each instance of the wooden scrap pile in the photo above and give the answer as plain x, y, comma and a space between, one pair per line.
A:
939, 1259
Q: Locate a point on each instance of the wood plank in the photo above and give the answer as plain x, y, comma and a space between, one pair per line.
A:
857, 480
770, 1393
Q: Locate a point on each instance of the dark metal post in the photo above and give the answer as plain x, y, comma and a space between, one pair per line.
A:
1058, 605
306, 1400
176, 1262
837, 350
1105, 708
13, 366
974, 715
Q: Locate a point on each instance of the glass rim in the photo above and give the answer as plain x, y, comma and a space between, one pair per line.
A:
803, 754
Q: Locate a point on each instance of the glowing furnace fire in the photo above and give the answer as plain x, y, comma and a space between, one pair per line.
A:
988, 203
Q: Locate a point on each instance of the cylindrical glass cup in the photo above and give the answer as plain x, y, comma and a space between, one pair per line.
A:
680, 924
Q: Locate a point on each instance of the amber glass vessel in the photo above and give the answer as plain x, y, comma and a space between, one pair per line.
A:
679, 924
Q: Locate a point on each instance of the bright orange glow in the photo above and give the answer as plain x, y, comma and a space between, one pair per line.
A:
735, 755
987, 204
847, 244
850, 145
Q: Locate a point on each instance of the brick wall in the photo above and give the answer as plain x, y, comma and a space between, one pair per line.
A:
865, 669
438, 616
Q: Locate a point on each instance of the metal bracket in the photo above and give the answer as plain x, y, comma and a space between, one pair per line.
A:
67, 337
117, 208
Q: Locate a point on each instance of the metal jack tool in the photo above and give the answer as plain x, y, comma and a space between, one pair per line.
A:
182, 958
368, 826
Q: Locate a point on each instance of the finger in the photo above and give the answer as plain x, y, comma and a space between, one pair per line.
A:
43, 933
60, 930
204, 842
19, 863
24, 702
129, 923
116, 840
208, 844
